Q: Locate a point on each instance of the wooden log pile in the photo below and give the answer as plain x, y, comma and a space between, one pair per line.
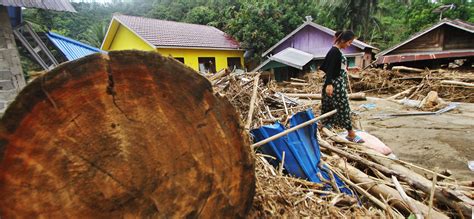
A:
451, 85
385, 187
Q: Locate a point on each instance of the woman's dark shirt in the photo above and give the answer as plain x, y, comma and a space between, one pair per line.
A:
332, 65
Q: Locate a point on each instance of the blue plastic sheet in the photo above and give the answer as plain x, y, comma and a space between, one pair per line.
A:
302, 153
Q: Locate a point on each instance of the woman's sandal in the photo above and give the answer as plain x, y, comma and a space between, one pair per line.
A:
356, 139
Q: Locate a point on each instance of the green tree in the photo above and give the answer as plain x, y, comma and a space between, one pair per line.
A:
256, 25
95, 34
356, 15
201, 15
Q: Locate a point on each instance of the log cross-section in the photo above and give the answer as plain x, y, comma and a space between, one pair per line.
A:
128, 134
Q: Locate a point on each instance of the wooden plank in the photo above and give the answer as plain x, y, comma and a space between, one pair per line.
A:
252, 102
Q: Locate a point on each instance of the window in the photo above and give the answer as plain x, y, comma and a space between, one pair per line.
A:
181, 59
207, 64
234, 63
351, 62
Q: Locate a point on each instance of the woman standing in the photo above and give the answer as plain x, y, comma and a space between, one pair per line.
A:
335, 86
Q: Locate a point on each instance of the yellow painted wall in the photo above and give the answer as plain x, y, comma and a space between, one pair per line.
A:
125, 39
121, 38
191, 56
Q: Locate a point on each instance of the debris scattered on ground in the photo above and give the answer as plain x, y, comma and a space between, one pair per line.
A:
367, 172
432, 102
451, 85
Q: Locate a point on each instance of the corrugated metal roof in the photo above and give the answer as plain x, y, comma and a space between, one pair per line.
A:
56, 5
289, 57
463, 25
72, 49
293, 57
162, 33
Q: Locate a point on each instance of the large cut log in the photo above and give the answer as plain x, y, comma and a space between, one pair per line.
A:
131, 134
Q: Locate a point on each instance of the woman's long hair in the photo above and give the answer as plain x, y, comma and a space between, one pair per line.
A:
343, 36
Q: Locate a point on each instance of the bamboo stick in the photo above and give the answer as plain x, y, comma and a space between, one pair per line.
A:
296, 107
298, 80
370, 152
406, 163
299, 84
354, 96
269, 112
404, 68
356, 158
260, 143
460, 83
282, 164
362, 191
331, 177
433, 188
284, 104
405, 92
380, 189
407, 199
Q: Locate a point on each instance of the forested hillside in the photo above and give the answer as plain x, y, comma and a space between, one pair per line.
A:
260, 24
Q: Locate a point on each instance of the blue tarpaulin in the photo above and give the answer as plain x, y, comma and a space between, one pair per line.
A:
302, 153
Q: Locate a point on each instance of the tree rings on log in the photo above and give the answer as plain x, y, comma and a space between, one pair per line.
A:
128, 134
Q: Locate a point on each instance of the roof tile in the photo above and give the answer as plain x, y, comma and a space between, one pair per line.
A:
176, 34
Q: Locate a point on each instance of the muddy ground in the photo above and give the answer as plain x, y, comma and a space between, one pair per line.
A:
445, 141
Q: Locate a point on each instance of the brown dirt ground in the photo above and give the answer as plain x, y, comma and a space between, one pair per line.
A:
445, 141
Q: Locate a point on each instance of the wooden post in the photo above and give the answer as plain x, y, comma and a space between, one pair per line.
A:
252, 101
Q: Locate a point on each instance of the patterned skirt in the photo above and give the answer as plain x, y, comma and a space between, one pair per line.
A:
339, 101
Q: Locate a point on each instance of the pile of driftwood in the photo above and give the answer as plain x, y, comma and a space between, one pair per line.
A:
451, 85
258, 104
384, 187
